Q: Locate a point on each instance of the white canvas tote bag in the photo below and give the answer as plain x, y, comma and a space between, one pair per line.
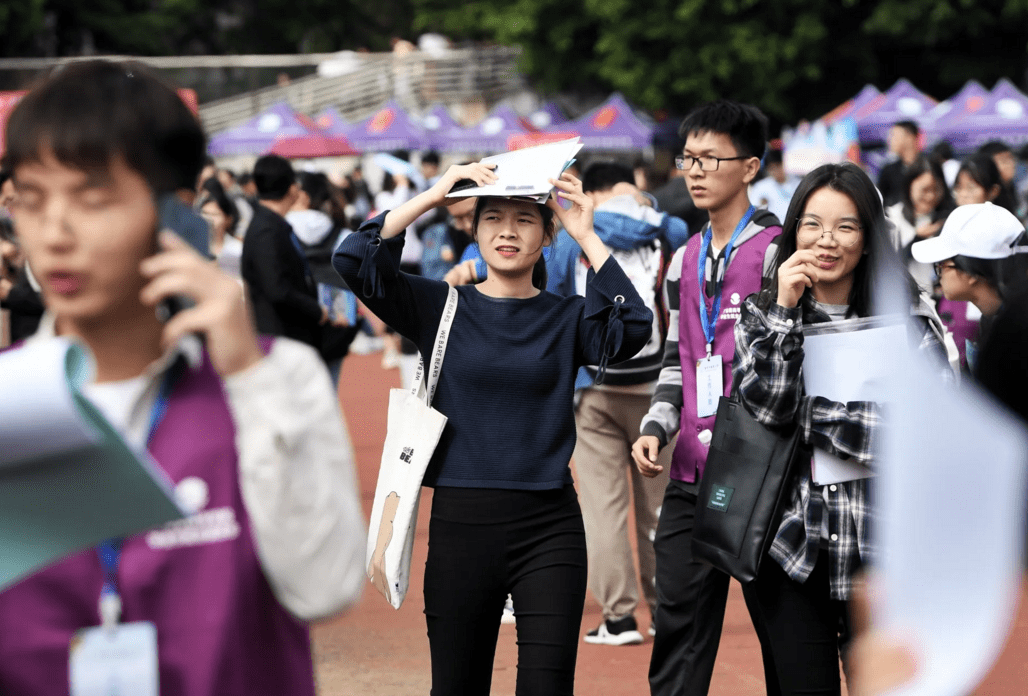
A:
413, 432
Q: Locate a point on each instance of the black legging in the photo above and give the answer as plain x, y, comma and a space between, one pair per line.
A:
806, 629
484, 544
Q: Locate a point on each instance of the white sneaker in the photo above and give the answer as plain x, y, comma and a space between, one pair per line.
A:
364, 344
390, 359
624, 631
508, 611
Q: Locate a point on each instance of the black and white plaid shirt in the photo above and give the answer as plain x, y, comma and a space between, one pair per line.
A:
768, 372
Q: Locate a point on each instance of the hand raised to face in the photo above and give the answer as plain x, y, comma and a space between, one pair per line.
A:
220, 310
577, 220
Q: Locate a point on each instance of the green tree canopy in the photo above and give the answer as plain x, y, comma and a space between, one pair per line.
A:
172, 27
794, 58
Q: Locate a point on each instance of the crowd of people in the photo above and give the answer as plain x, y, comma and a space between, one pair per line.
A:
586, 329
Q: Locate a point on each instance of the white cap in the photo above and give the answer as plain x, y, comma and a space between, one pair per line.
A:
979, 230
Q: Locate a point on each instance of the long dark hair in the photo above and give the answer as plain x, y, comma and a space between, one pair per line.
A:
323, 195
848, 179
983, 170
539, 275
923, 165
213, 192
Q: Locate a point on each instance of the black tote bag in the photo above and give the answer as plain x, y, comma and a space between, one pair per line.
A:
743, 490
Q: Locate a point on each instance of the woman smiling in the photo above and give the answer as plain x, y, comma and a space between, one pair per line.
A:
919, 215
827, 256
505, 516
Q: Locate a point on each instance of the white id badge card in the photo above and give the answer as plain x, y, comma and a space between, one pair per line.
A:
710, 385
118, 662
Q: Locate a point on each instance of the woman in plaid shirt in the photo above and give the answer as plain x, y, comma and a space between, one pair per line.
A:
834, 230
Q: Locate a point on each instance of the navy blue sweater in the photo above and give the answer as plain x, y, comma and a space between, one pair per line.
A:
507, 382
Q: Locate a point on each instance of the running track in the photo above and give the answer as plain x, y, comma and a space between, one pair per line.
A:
374, 650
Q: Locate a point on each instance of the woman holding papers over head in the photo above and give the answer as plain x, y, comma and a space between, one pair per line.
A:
825, 271
247, 432
505, 516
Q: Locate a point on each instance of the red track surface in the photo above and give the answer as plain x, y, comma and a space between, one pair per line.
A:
378, 651
374, 650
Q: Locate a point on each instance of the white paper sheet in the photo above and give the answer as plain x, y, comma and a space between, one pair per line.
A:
951, 494
827, 469
851, 365
848, 361
67, 479
38, 415
526, 173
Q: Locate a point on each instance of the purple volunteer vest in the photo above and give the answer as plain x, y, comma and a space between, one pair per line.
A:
954, 316
742, 279
220, 629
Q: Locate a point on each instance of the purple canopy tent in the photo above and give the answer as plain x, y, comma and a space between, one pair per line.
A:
611, 126
331, 122
389, 128
1003, 116
971, 98
848, 107
903, 102
438, 125
491, 134
546, 116
259, 134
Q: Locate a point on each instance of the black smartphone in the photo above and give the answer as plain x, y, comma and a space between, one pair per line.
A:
174, 215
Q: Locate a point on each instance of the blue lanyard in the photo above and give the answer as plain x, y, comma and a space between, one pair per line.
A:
707, 322
109, 551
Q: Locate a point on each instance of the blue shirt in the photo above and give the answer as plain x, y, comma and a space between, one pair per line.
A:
507, 382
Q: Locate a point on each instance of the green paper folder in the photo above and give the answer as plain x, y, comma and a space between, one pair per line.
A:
67, 479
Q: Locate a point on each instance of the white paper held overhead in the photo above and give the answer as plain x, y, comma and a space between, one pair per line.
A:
524, 173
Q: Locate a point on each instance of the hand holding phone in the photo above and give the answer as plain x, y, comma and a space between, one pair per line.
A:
175, 216
217, 306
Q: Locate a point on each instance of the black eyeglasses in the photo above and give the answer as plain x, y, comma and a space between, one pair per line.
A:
940, 266
708, 163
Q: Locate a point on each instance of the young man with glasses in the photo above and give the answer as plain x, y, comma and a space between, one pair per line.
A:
705, 285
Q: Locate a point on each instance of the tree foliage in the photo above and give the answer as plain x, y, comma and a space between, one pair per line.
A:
794, 58
174, 27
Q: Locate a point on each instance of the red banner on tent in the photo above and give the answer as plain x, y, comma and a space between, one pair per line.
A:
8, 100
523, 140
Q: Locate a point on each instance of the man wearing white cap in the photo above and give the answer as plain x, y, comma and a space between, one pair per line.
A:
969, 255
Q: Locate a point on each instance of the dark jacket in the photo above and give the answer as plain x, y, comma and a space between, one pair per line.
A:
26, 308
285, 300
890, 182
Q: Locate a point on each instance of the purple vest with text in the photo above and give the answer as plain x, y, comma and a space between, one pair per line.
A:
954, 316
220, 629
742, 278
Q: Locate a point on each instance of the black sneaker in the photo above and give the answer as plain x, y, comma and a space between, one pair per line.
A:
624, 631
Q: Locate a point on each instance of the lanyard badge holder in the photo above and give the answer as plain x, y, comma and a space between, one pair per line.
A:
709, 370
119, 658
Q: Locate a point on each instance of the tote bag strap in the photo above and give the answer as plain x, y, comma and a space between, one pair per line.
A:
425, 384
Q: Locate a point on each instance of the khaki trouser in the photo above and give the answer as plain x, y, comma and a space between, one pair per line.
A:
608, 424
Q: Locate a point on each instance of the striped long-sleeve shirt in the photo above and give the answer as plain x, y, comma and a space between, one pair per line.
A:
664, 418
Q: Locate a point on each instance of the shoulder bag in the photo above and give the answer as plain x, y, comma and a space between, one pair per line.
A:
743, 491
412, 434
